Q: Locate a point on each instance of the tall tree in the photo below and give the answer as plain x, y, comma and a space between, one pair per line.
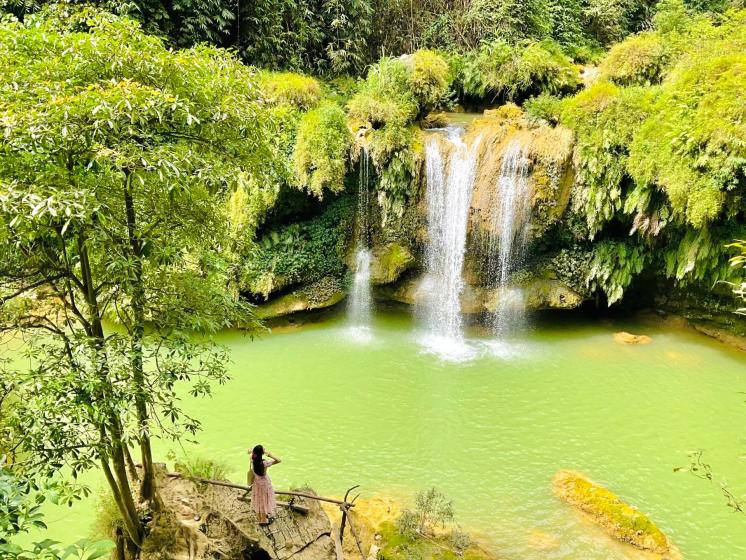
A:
114, 150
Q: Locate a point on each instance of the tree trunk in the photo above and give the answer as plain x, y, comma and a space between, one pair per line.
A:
130, 464
147, 486
131, 523
120, 486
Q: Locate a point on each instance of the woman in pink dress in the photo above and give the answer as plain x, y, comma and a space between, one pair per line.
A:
262, 493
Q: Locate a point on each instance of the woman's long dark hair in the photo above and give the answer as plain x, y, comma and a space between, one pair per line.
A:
256, 460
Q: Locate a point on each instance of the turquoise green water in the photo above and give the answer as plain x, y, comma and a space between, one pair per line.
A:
491, 432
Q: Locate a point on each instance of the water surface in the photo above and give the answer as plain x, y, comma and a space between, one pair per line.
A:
491, 432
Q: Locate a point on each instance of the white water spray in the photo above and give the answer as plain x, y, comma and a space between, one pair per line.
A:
509, 228
450, 167
359, 309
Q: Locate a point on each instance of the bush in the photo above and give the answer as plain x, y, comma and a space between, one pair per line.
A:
321, 149
201, 467
508, 72
639, 60
294, 89
432, 508
108, 518
459, 540
430, 78
385, 96
543, 107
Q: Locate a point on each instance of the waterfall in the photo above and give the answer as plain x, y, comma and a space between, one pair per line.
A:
508, 236
450, 166
359, 308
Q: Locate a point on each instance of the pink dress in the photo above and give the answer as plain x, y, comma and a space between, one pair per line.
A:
262, 492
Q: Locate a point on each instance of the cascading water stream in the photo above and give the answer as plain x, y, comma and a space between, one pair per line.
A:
509, 227
450, 166
359, 308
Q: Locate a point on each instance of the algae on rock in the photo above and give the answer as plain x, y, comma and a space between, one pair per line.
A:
619, 519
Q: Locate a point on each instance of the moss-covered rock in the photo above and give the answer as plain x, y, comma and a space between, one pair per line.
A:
548, 293
319, 295
610, 512
396, 546
390, 262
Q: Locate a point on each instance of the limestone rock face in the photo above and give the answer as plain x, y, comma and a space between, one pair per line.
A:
404, 291
549, 151
539, 294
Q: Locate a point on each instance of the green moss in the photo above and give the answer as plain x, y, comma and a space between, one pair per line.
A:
290, 88
396, 546
321, 150
390, 262
608, 510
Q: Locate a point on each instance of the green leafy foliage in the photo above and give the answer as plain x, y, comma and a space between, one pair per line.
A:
692, 146
429, 78
613, 266
115, 156
294, 89
501, 70
300, 253
604, 118
385, 96
21, 500
321, 150
394, 94
640, 60
660, 148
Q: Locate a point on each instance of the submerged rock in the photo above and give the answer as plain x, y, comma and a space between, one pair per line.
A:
628, 338
608, 511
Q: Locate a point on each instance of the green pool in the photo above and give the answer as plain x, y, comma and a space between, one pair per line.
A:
491, 432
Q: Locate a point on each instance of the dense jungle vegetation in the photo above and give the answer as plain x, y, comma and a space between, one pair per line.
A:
163, 163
